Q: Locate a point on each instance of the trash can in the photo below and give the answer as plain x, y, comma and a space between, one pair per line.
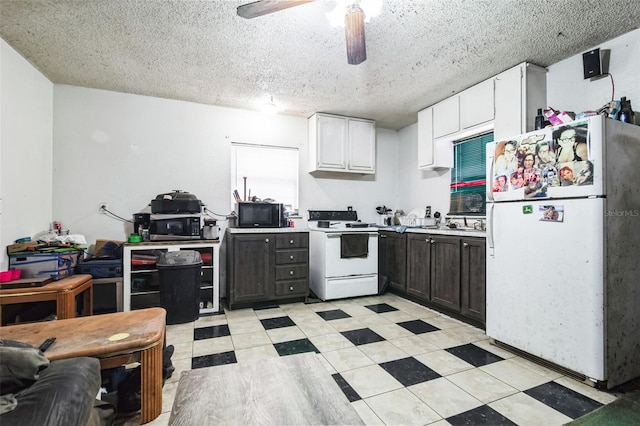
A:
180, 274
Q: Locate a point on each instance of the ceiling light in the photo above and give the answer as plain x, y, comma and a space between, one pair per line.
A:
269, 108
371, 9
354, 35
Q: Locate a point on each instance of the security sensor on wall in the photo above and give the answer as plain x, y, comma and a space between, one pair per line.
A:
595, 63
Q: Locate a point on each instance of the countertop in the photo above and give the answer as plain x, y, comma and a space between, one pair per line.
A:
265, 230
466, 232
415, 230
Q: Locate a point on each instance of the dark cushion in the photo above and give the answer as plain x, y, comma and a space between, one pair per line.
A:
63, 395
20, 367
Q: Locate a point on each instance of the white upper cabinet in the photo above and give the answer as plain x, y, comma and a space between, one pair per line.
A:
446, 117
362, 145
476, 105
519, 92
432, 153
342, 144
506, 103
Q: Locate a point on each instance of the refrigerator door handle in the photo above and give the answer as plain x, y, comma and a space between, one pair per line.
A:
490, 244
491, 149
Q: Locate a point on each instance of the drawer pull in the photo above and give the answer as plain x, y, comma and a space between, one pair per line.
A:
290, 241
291, 257
290, 272
291, 288
266, 240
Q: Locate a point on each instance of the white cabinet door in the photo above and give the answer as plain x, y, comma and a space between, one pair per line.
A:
342, 144
331, 142
432, 153
425, 138
509, 103
446, 117
476, 104
362, 145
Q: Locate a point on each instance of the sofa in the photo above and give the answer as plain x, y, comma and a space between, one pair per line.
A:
36, 391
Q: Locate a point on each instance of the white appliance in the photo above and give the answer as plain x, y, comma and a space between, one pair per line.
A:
332, 276
562, 261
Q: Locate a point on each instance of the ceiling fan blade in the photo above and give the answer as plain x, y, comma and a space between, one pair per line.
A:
354, 35
263, 7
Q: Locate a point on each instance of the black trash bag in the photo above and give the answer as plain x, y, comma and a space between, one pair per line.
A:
129, 388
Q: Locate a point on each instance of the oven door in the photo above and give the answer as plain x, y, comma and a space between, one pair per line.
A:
335, 266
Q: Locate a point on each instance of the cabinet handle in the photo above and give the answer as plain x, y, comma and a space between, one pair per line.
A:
465, 245
291, 257
290, 272
290, 241
291, 288
382, 236
266, 240
431, 241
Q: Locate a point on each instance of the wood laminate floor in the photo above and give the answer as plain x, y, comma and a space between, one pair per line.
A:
398, 363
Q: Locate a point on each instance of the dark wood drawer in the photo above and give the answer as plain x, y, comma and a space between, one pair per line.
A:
284, 257
292, 240
297, 287
291, 272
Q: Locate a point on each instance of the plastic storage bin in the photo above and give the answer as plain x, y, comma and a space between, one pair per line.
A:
56, 265
180, 275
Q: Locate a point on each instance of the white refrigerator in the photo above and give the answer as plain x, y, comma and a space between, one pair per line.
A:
563, 247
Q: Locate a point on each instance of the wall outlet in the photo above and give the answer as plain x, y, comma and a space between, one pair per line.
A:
103, 207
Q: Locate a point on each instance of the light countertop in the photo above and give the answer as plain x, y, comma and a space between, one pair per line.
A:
440, 231
265, 230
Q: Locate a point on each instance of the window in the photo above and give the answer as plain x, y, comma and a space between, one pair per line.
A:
468, 176
270, 171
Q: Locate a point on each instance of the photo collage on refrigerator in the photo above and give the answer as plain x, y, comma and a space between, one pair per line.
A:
550, 157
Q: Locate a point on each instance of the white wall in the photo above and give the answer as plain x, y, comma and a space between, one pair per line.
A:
26, 106
566, 91
418, 188
125, 149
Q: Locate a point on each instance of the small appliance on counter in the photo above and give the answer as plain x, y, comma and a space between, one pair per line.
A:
261, 215
176, 202
210, 230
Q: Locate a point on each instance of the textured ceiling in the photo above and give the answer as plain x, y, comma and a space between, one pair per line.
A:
418, 52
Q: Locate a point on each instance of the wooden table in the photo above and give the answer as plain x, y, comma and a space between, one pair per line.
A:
115, 339
63, 292
289, 390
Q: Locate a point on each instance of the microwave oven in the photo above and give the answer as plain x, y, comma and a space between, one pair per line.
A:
163, 227
260, 215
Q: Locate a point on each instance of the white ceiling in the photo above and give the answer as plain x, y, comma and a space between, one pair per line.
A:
418, 51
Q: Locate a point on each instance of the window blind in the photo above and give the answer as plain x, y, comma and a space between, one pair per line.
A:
468, 176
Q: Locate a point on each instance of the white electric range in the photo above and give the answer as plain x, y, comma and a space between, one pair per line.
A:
343, 254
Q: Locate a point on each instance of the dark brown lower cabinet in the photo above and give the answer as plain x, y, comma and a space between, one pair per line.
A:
266, 267
419, 266
392, 260
447, 272
473, 278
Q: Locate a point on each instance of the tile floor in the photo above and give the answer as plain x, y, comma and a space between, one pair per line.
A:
396, 361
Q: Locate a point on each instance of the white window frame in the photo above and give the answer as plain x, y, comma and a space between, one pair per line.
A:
276, 157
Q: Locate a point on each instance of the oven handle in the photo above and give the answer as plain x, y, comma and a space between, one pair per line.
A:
339, 234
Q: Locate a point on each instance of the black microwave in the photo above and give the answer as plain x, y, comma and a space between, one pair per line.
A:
260, 215
164, 227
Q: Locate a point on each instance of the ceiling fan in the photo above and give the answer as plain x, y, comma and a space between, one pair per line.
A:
353, 22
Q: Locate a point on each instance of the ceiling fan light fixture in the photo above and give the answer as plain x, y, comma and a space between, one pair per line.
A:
354, 35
